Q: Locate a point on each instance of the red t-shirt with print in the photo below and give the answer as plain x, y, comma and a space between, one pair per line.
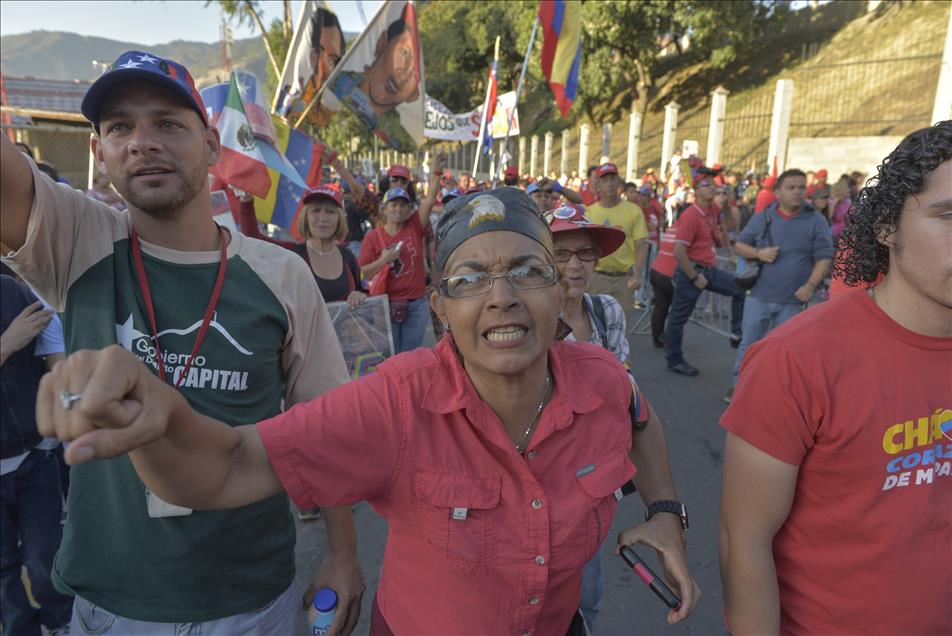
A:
410, 281
857, 403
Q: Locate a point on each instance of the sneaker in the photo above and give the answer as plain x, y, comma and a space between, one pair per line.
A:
682, 368
735, 340
729, 395
309, 514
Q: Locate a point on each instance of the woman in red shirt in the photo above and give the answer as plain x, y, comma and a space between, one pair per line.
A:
494, 457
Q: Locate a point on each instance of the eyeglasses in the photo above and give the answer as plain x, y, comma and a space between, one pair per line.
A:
586, 255
521, 278
404, 179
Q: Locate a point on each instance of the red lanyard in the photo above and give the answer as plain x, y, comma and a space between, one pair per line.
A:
150, 308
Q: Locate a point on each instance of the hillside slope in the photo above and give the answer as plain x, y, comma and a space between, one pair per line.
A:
875, 76
67, 56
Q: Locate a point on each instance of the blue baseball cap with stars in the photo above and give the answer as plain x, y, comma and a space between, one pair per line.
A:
138, 65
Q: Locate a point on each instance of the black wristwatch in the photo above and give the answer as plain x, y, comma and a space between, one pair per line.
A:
669, 505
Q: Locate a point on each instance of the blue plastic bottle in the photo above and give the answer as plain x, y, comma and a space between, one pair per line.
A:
325, 604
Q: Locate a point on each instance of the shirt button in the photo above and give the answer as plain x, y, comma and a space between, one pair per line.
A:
532, 454
540, 560
533, 601
536, 504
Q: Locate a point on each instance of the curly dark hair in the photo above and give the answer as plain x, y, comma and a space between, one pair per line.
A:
860, 255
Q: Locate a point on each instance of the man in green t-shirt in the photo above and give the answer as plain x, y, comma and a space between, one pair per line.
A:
620, 273
237, 325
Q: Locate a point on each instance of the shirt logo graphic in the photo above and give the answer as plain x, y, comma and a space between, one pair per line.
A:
127, 334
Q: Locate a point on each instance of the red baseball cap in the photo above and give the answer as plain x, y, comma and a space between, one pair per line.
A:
606, 168
512, 171
821, 174
323, 192
399, 171
568, 219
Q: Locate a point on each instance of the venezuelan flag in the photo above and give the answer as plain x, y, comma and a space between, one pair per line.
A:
561, 22
281, 205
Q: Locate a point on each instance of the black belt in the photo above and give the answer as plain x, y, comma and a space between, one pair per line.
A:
613, 274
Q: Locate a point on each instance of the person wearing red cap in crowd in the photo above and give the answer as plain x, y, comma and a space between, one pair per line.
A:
511, 176
399, 177
619, 274
231, 326
577, 245
766, 196
699, 231
396, 251
819, 183
323, 225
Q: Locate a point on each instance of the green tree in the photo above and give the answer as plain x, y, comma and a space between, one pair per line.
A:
276, 38
623, 43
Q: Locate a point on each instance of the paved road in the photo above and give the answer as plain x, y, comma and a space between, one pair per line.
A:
690, 409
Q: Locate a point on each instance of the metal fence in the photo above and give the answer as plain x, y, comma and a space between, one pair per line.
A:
66, 148
747, 130
826, 99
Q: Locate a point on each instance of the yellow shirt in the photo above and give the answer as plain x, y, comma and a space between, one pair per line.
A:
627, 216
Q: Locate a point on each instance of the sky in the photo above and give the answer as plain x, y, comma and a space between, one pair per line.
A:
151, 22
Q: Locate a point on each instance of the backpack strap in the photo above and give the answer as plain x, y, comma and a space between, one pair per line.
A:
597, 311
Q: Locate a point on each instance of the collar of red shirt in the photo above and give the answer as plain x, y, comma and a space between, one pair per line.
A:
452, 390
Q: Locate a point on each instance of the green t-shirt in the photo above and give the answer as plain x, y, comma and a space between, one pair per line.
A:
270, 343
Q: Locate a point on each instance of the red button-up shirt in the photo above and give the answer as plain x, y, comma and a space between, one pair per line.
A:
481, 539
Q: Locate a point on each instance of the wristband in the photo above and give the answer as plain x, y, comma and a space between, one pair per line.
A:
696, 275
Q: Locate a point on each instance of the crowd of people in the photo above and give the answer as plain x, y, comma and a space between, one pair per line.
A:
195, 374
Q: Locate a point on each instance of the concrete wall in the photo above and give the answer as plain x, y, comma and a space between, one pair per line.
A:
839, 154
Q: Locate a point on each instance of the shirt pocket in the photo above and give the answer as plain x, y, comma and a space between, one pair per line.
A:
459, 515
599, 487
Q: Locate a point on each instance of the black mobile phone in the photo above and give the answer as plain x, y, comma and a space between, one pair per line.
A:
650, 579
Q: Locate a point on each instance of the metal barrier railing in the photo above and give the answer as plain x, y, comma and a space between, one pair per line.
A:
713, 311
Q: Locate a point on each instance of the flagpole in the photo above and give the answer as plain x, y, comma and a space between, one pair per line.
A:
482, 123
522, 79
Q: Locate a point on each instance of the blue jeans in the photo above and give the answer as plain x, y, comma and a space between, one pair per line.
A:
593, 589
685, 298
30, 513
408, 335
280, 616
759, 318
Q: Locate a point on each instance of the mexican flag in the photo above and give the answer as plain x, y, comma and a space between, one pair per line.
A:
242, 164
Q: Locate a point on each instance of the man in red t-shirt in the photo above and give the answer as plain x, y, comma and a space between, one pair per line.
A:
662, 269
698, 232
837, 495
588, 194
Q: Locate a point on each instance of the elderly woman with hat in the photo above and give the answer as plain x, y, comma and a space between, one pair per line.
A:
494, 456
